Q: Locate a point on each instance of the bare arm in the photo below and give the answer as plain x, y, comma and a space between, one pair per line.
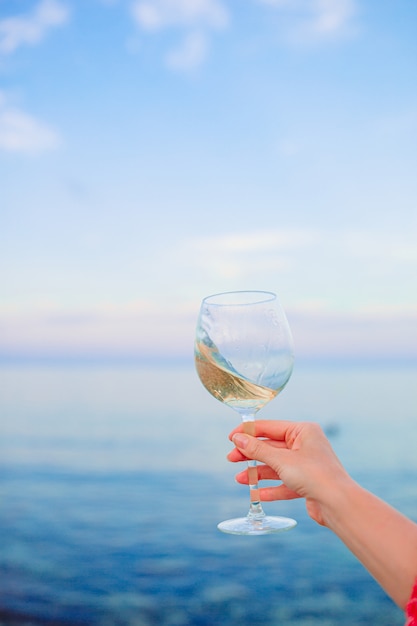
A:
384, 540
299, 454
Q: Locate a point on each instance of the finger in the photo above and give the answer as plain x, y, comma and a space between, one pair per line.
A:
235, 456
267, 494
264, 473
280, 492
272, 429
254, 448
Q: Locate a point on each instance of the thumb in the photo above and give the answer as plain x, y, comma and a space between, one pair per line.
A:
254, 448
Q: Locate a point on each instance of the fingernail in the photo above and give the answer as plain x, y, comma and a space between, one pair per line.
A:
240, 441
239, 475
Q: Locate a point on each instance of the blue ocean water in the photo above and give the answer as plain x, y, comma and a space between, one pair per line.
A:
112, 481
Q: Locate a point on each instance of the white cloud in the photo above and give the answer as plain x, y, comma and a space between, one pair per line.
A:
276, 3
314, 20
259, 240
382, 253
336, 270
32, 27
385, 249
21, 132
142, 330
245, 256
331, 16
190, 54
158, 14
136, 330
260, 259
197, 18
304, 21
375, 334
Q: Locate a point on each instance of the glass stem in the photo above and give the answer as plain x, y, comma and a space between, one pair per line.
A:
255, 510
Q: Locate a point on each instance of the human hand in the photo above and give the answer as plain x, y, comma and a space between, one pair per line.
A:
300, 455
296, 453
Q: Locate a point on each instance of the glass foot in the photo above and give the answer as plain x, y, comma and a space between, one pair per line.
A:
256, 526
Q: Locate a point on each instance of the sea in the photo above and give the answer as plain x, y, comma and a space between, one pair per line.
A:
113, 478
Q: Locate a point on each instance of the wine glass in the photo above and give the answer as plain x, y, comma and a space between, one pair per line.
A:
244, 358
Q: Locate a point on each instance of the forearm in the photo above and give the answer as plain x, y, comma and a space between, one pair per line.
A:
384, 540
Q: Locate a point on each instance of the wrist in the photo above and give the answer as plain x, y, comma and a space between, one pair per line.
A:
339, 502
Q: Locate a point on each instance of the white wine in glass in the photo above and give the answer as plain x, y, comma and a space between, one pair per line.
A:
244, 357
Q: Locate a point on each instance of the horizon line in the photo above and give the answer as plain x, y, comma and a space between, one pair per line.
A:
157, 360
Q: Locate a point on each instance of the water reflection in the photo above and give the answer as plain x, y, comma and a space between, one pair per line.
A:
112, 482
132, 418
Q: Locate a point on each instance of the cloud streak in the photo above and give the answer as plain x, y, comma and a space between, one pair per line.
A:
312, 269
247, 257
143, 331
330, 16
384, 250
194, 19
138, 331
23, 133
190, 54
159, 14
314, 20
331, 319
303, 22
260, 240
31, 28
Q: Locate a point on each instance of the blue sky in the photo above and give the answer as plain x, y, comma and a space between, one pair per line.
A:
153, 152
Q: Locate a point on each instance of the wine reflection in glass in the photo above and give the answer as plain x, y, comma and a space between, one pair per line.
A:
244, 357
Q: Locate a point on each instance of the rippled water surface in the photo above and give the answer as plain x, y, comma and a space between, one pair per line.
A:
112, 482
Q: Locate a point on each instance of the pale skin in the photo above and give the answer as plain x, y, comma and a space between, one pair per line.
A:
300, 455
